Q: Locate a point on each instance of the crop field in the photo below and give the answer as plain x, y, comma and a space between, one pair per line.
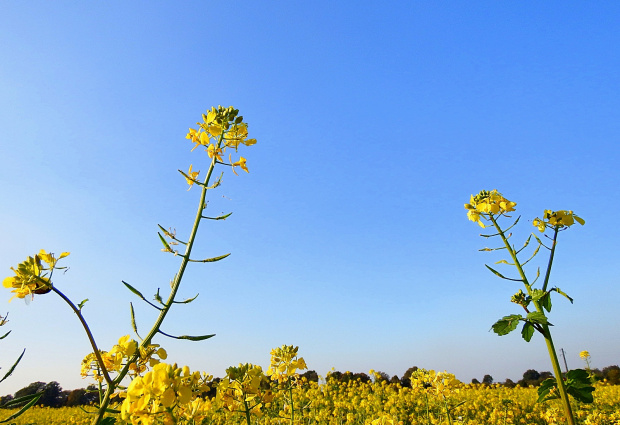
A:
356, 402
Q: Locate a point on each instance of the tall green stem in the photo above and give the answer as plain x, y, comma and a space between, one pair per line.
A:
170, 301
546, 332
93, 344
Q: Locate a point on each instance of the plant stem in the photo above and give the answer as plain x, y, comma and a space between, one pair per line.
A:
173, 291
546, 332
77, 311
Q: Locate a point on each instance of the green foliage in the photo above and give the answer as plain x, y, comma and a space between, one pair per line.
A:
577, 383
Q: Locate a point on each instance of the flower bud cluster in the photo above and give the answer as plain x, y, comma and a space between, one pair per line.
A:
31, 276
285, 363
557, 220
487, 203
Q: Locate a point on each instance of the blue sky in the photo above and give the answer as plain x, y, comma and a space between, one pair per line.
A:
374, 124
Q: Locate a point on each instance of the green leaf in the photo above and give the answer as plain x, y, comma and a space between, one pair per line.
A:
80, 305
5, 335
528, 331
556, 289
537, 294
34, 398
546, 302
506, 324
110, 420
547, 390
578, 385
14, 366
537, 317
495, 272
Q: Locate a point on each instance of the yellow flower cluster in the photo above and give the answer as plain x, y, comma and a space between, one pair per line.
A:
487, 203
221, 128
32, 277
115, 359
156, 395
333, 402
557, 220
244, 389
285, 363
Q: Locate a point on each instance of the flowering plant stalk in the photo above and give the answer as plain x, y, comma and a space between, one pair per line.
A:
283, 369
490, 206
221, 129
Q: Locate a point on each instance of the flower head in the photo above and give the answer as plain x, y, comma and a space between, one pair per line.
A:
557, 220
488, 203
285, 363
31, 276
584, 355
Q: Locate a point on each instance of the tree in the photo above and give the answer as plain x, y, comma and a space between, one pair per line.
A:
612, 374
488, 379
5, 399
395, 380
311, 376
475, 381
52, 395
33, 388
405, 381
509, 383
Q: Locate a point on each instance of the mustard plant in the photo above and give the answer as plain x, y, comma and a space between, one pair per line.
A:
487, 209
221, 129
283, 371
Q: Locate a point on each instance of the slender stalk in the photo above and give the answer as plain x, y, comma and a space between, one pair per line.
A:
170, 301
546, 281
546, 332
91, 338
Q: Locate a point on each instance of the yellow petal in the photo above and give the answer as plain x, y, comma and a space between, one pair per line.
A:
8, 282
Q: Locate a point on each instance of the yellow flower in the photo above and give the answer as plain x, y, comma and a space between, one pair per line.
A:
192, 176
31, 277
557, 220
241, 163
215, 152
584, 355
488, 203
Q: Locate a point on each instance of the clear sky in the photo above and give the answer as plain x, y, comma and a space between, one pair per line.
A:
375, 122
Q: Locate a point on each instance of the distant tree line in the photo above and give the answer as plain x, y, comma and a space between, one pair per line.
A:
611, 374
54, 396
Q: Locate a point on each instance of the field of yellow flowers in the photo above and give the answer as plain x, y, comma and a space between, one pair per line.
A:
355, 402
